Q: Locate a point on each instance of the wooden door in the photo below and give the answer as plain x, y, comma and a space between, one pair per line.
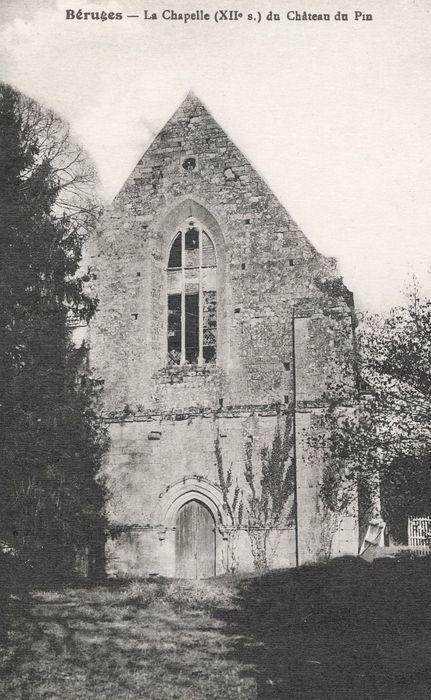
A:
195, 541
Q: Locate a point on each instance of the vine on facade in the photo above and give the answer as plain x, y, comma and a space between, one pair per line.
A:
264, 502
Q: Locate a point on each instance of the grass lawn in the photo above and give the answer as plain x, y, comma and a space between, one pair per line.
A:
138, 640
336, 631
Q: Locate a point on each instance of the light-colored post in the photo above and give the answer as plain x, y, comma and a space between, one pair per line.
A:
183, 298
200, 305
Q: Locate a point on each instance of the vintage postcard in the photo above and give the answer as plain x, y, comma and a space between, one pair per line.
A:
215, 321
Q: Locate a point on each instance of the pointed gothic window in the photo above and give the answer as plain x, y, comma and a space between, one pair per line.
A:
192, 296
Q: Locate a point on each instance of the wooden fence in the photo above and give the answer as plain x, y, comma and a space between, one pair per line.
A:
419, 534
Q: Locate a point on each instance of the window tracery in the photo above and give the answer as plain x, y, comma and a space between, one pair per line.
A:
192, 296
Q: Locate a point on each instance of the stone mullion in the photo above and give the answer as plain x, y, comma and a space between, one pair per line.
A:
183, 299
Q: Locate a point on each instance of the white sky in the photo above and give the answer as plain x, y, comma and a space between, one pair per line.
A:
335, 116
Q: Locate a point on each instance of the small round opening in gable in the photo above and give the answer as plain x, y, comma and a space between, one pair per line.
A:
189, 163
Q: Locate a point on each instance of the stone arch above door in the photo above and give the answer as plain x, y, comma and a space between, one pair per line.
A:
180, 492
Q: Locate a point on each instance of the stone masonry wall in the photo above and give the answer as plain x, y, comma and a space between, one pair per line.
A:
149, 455
265, 267
323, 351
270, 283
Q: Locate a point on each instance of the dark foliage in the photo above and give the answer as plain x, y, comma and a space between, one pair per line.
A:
380, 439
52, 439
405, 491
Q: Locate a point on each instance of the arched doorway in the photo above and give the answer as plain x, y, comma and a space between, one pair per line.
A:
195, 541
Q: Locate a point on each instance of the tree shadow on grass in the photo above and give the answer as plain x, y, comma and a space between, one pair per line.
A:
343, 629
77, 638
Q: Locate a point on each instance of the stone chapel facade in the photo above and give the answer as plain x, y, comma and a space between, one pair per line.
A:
217, 323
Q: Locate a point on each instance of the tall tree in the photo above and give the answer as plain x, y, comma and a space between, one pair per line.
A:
52, 439
385, 438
